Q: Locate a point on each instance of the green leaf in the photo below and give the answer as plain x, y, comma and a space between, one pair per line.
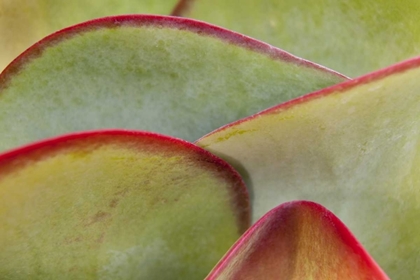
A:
116, 205
298, 240
163, 74
354, 147
352, 36
23, 22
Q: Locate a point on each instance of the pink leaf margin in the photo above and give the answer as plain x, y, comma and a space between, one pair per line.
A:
157, 21
340, 88
270, 228
132, 139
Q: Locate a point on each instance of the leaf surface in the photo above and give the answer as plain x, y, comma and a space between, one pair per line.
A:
298, 240
353, 147
168, 75
116, 205
354, 37
24, 22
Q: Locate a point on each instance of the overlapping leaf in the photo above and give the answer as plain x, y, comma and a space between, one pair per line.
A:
169, 75
116, 205
352, 36
298, 240
24, 22
354, 148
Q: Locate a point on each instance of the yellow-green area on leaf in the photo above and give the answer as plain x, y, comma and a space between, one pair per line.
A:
354, 148
351, 36
116, 205
163, 74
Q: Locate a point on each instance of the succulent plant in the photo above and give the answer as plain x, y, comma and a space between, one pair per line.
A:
162, 147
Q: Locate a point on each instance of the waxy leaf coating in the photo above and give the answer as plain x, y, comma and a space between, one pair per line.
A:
354, 148
351, 36
116, 205
163, 74
298, 240
24, 22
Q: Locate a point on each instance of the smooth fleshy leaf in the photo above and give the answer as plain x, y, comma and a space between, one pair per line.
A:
354, 148
116, 205
163, 74
24, 22
298, 240
351, 36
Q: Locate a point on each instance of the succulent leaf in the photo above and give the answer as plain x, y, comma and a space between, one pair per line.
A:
168, 75
351, 36
24, 22
353, 147
116, 205
297, 240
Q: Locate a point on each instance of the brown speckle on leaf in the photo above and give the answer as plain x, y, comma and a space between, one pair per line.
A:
101, 238
72, 240
98, 217
113, 203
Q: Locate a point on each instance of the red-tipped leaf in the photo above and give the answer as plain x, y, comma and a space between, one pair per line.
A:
116, 205
298, 240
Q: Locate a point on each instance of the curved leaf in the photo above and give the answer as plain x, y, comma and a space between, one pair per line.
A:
352, 36
354, 147
164, 74
298, 240
23, 22
116, 205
